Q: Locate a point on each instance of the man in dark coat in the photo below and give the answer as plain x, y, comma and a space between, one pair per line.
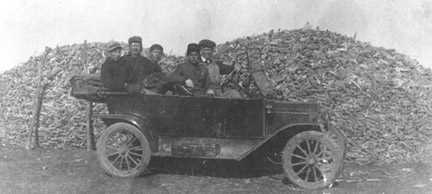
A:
114, 75
139, 66
192, 74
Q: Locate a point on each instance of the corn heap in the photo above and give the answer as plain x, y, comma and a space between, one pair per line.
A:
377, 97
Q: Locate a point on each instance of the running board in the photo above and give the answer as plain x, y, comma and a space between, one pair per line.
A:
206, 148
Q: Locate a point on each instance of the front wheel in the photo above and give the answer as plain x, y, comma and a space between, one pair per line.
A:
123, 150
312, 159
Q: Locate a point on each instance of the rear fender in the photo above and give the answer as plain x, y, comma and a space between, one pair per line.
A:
277, 140
140, 122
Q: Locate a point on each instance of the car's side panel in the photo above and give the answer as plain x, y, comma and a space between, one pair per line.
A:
279, 114
196, 116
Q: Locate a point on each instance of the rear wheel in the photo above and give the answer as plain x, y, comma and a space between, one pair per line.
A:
123, 150
312, 159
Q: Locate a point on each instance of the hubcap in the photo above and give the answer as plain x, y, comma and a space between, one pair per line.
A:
123, 149
311, 161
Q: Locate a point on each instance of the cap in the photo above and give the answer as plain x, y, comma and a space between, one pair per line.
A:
135, 39
113, 45
156, 46
206, 44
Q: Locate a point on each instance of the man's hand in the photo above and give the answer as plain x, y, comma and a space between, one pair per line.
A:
147, 92
133, 88
210, 92
189, 83
237, 67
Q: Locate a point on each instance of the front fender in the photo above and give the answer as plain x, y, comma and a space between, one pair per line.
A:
140, 122
287, 131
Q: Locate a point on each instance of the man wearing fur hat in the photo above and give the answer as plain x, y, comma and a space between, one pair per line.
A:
192, 74
215, 69
139, 66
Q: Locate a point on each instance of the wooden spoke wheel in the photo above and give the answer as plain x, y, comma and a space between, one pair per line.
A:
311, 159
123, 150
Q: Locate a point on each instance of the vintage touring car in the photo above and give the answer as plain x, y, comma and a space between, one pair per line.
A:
140, 127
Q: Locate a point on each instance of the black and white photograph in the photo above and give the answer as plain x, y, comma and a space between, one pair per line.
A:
216, 96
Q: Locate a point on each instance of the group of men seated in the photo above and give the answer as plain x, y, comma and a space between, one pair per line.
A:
198, 75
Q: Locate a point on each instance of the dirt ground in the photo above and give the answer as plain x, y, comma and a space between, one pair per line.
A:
78, 171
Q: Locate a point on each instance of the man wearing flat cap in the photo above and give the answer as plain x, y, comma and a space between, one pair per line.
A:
192, 73
139, 66
114, 75
215, 69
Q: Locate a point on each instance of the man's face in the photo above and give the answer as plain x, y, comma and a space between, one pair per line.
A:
135, 48
206, 53
115, 54
156, 54
194, 57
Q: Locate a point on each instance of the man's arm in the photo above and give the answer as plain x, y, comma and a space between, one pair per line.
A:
132, 84
107, 76
157, 68
131, 71
210, 86
207, 82
224, 69
178, 75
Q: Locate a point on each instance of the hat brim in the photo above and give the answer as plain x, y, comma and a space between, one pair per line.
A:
113, 49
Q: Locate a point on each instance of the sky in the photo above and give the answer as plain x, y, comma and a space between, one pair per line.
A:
26, 26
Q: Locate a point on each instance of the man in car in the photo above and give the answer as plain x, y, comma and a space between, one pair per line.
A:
139, 66
114, 75
192, 74
215, 69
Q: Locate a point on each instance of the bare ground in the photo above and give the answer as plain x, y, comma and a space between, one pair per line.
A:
78, 171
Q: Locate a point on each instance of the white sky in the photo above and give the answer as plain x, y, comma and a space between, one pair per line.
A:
26, 26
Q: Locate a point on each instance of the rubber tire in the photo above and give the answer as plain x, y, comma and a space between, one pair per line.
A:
324, 138
107, 166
